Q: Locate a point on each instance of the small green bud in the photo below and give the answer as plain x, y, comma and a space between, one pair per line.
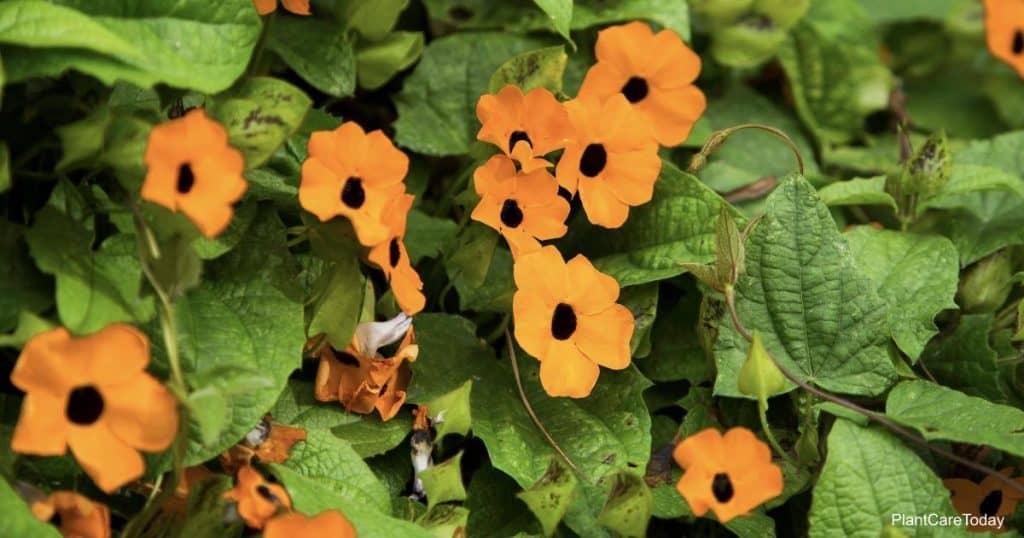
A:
986, 285
759, 376
784, 13
929, 169
749, 42
721, 12
807, 445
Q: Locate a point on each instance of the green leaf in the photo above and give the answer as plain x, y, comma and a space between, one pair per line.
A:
379, 61
182, 43
437, 104
18, 519
310, 496
610, 430
857, 191
320, 51
373, 20
259, 115
883, 11
337, 308
676, 352
23, 288
366, 434
28, 326
521, 16
629, 505
831, 60
241, 331
427, 235
549, 498
968, 178
209, 248
676, 226
868, 477
445, 520
560, 13
5, 154
451, 413
443, 481
939, 412
83, 139
642, 302
759, 377
964, 359
335, 465
915, 274
94, 288
820, 316
494, 507
541, 68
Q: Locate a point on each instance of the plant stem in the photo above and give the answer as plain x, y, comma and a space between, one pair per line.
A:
762, 413
879, 418
718, 138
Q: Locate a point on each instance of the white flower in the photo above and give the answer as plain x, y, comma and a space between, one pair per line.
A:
373, 335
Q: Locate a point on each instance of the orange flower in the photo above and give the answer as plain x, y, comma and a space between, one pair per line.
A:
92, 394
363, 380
258, 500
990, 498
525, 127
268, 442
353, 174
392, 257
327, 523
522, 207
566, 316
1004, 31
298, 7
192, 169
729, 474
655, 72
613, 160
74, 515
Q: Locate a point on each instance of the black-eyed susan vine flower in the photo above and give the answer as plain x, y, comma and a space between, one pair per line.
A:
612, 159
522, 207
1004, 31
293, 524
729, 474
567, 317
353, 174
524, 127
258, 500
74, 515
360, 377
268, 442
654, 72
92, 394
191, 168
299, 7
393, 258
990, 498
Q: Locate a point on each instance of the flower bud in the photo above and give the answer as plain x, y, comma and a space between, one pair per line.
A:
986, 285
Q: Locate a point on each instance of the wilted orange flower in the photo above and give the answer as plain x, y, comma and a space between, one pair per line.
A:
74, 515
258, 500
93, 394
268, 442
655, 72
566, 316
525, 127
327, 523
612, 160
1004, 31
522, 207
363, 380
729, 474
299, 7
192, 169
989, 498
392, 257
354, 174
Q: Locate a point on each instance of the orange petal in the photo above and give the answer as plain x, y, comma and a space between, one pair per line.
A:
320, 190
48, 363
42, 427
676, 66
142, 413
592, 291
702, 448
329, 523
264, 7
603, 80
604, 337
631, 175
673, 112
108, 460
543, 273
532, 316
407, 286
547, 221
566, 372
116, 354
602, 206
625, 46
383, 165
79, 516
298, 7
497, 173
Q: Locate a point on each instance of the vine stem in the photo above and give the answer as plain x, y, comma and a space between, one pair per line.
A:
762, 413
529, 408
718, 138
879, 418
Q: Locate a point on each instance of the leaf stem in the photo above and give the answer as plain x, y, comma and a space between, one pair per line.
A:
718, 138
529, 408
879, 418
762, 413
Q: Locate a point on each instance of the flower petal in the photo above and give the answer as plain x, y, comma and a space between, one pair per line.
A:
602, 206
566, 372
532, 316
116, 354
591, 291
42, 428
604, 337
544, 273
142, 413
49, 362
109, 461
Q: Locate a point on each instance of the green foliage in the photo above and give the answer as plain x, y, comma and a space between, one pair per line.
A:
443, 482
549, 498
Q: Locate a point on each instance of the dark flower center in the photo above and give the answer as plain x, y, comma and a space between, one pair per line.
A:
394, 253
85, 405
56, 520
265, 492
346, 359
1018, 42
186, 179
511, 215
563, 322
635, 89
593, 160
990, 504
516, 136
721, 487
564, 193
352, 194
